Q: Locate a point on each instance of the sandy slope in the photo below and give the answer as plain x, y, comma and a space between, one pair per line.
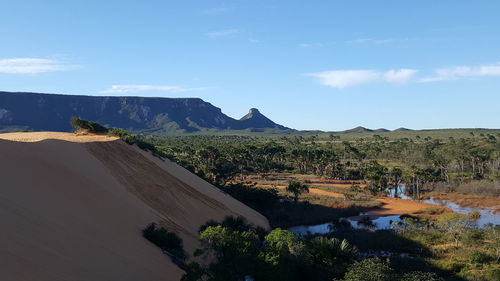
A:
72, 208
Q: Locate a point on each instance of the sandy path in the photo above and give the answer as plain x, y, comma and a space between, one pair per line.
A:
318, 191
312, 190
390, 207
337, 185
397, 206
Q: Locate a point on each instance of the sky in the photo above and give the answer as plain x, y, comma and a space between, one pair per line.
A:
327, 65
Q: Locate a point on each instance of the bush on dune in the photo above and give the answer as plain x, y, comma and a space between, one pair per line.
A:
167, 241
132, 139
89, 126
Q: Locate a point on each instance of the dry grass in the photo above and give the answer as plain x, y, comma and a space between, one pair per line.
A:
481, 187
467, 199
431, 211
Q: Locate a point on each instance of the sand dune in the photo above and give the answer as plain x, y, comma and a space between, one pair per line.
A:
72, 208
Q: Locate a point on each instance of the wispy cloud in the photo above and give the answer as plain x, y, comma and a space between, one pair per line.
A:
222, 33
379, 41
399, 76
215, 11
311, 45
32, 65
460, 72
347, 78
127, 89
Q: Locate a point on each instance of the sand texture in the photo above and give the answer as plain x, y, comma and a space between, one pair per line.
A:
73, 207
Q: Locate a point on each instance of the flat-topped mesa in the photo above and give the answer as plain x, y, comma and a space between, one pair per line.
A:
51, 112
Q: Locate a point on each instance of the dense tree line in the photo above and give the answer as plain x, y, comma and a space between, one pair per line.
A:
379, 160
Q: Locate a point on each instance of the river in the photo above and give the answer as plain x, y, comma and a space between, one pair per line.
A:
488, 215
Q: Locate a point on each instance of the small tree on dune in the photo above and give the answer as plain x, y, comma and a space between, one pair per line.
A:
296, 188
89, 126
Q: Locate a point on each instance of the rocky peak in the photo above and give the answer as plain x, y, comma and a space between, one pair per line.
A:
252, 113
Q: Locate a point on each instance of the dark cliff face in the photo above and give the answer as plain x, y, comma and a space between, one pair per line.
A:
139, 114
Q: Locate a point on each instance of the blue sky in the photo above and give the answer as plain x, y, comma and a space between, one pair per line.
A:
329, 65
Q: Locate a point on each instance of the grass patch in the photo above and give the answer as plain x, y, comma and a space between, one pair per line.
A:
167, 241
431, 211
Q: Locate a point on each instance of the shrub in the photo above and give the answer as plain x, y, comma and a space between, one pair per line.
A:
372, 269
167, 241
132, 139
431, 211
479, 257
89, 126
235, 224
420, 276
296, 188
260, 199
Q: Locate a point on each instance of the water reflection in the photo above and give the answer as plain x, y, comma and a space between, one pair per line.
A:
364, 221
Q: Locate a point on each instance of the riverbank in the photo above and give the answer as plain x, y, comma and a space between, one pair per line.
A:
467, 199
397, 206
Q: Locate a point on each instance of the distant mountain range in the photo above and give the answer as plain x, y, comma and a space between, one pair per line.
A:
51, 112
366, 130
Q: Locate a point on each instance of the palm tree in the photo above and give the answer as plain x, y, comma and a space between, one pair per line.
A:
296, 188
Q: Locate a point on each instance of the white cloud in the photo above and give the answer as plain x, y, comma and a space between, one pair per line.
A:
459, 72
345, 78
348, 78
222, 33
32, 65
126, 89
399, 76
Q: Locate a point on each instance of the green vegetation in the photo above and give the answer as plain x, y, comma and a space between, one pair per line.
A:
296, 188
280, 255
282, 212
133, 139
83, 125
239, 250
451, 247
93, 127
381, 161
167, 241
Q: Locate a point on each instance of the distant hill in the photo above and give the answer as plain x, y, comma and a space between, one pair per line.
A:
51, 112
381, 130
402, 129
255, 119
359, 129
